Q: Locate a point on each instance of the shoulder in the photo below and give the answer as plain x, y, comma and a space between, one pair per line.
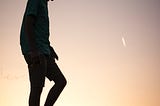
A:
34, 1
32, 7
33, 4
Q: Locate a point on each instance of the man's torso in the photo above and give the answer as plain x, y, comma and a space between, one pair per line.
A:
39, 9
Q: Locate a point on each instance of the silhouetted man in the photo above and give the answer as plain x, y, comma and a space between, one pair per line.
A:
38, 53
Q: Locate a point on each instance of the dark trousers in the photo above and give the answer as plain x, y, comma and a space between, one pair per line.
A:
44, 66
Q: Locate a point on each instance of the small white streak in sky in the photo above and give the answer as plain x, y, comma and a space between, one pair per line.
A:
124, 42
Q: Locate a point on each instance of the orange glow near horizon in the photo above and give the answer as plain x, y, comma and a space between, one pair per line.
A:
109, 52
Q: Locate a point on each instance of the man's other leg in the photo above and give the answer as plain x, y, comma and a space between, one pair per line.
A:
56, 75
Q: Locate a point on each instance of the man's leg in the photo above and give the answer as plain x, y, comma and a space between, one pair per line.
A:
34, 98
60, 83
37, 71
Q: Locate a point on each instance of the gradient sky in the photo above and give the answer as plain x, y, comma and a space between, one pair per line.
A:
88, 36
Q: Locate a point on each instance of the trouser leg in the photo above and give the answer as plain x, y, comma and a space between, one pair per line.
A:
37, 71
34, 98
55, 91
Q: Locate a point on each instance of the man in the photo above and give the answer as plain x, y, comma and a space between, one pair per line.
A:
38, 53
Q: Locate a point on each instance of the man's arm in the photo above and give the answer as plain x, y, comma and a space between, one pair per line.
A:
29, 30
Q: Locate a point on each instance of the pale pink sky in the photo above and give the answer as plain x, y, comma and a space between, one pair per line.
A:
87, 35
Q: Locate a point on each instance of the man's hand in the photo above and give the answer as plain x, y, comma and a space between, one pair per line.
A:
56, 57
53, 53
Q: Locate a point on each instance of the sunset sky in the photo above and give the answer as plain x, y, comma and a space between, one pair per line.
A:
109, 52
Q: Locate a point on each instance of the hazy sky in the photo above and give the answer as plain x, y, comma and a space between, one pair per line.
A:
109, 52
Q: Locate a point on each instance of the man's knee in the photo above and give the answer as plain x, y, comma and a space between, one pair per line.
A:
61, 82
64, 82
